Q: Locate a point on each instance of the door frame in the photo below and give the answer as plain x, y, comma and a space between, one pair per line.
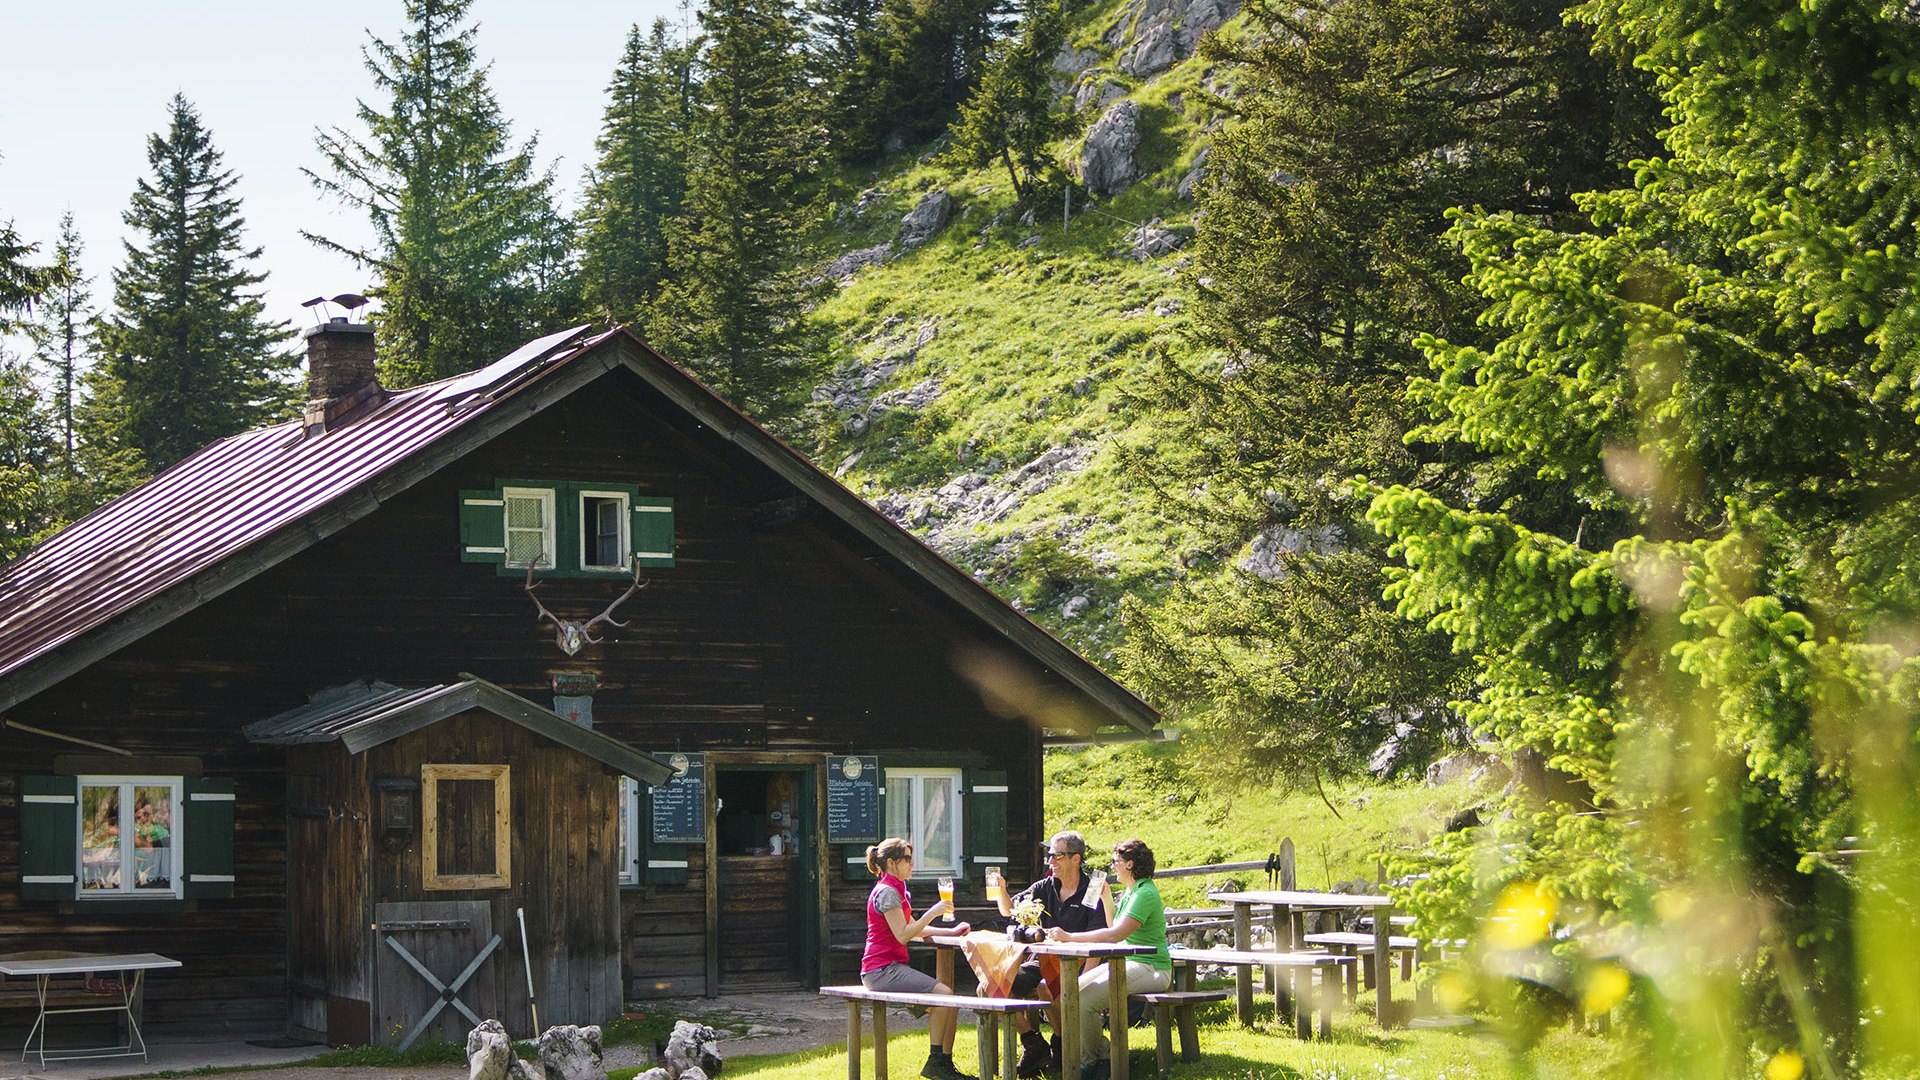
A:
812, 767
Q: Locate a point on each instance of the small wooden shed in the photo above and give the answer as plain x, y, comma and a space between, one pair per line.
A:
454, 831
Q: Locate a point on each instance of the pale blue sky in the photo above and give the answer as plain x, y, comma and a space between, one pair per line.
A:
263, 74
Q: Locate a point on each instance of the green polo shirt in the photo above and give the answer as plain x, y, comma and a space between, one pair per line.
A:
1143, 903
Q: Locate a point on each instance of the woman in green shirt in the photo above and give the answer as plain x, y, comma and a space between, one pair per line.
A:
1139, 918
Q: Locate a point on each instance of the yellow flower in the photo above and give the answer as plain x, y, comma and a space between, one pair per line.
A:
1785, 1065
1606, 986
1521, 917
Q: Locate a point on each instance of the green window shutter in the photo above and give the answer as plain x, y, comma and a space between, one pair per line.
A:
209, 838
986, 837
49, 837
854, 856
483, 527
660, 864
652, 531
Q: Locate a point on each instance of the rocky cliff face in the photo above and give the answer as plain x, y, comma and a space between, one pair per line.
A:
987, 351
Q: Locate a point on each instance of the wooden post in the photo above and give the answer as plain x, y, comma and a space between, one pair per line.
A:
1286, 1004
853, 1039
1329, 993
1117, 1015
986, 1039
1383, 964
1070, 1015
1163, 1037
1303, 1002
879, 1041
1009, 1048
1243, 976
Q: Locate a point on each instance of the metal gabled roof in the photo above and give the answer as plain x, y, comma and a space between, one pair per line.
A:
248, 502
364, 715
183, 527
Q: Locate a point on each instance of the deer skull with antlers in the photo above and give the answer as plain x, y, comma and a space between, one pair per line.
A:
570, 636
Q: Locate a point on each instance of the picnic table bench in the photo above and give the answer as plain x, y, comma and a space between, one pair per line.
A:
1303, 966
997, 1045
1169, 1006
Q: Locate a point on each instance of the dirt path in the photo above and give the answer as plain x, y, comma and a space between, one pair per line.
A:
750, 1023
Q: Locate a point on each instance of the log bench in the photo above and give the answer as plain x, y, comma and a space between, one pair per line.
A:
1303, 966
997, 1043
1171, 1006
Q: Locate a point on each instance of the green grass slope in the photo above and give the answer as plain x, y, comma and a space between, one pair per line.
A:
1015, 337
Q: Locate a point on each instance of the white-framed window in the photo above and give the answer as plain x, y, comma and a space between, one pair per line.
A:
923, 806
129, 838
605, 526
530, 531
629, 831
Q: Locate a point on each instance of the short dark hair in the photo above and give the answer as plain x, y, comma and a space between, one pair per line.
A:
1070, 841
1139, 854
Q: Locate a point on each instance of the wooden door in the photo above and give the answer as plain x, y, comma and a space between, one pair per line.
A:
759, 895
428, 955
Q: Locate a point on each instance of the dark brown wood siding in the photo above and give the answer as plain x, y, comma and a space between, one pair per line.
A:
775, 629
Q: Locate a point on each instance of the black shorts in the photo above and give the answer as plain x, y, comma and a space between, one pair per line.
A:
1027, 979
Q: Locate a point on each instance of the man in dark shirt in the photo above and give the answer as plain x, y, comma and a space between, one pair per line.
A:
1064, 902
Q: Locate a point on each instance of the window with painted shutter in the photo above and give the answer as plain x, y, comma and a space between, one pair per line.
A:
854, 856
986, 819
209, 838
49, 821
652, 531
483, 528
660, 864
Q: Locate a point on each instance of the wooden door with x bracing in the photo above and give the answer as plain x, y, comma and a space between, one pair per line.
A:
436, 966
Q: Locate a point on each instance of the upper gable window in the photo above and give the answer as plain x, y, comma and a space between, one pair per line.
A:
605, 524
566, 528
530, 528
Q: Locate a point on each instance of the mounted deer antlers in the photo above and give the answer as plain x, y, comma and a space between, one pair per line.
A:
570, 636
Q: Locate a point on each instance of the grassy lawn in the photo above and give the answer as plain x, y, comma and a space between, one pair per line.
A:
1265, 1052
1152, 792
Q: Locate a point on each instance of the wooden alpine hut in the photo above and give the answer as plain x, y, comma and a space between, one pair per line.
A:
328, 710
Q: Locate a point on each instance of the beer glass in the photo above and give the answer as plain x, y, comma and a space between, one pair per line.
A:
946, 895
996, 887
1096, 880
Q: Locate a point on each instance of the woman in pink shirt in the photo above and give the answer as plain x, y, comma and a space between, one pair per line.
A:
884, 967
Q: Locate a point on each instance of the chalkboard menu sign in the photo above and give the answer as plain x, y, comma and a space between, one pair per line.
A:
680, 804
853, 799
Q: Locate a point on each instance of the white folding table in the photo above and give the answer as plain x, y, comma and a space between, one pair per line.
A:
131, 969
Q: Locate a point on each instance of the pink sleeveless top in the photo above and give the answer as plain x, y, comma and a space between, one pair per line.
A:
882, 947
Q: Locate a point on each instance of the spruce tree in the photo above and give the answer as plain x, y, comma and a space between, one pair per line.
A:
191, 354
61, 328
26, 440
1321, 259
1012, 119
733, 309
465, 235
638, 183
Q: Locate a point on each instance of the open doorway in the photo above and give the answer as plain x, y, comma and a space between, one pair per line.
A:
768, 878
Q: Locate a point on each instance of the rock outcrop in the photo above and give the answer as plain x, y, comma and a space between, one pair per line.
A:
1106, 161
1153, 240
690, 1050
928, 217
572, 1053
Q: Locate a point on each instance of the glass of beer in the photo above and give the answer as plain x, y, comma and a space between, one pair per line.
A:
1096, 880
946, 897
996, 887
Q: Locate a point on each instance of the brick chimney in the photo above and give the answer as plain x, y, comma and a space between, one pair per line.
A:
340, 379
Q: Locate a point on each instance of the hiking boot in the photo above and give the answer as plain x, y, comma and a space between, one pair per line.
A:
1035, 1056
942, 1068
1097, 1070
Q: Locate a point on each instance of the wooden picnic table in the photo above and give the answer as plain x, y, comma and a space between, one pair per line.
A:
1072, 956
1289, 906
